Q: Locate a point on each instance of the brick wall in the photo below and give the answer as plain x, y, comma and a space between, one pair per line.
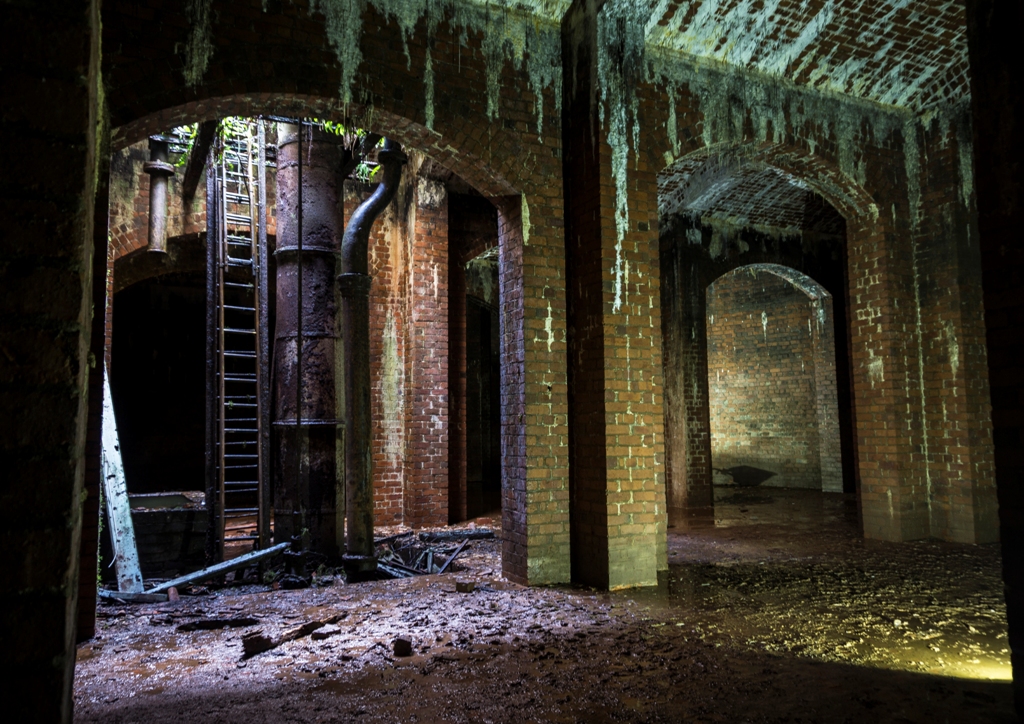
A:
409, 374
426, 492
771, 377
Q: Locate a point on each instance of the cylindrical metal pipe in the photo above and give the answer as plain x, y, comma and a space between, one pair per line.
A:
305, 420
354, 285
159, 170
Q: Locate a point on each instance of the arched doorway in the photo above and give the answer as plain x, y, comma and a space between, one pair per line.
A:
722, 211
774, 413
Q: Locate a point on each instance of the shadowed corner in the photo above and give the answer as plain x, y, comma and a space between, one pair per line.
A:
745, 476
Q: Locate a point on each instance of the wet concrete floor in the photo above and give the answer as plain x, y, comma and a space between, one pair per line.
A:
777, 613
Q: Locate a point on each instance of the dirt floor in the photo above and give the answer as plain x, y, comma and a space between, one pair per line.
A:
778, 613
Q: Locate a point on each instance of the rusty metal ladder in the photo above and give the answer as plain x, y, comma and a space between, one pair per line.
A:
242, 344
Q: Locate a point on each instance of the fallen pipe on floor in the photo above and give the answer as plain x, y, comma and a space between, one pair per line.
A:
218, 569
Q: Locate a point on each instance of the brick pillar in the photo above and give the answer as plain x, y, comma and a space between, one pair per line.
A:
826, 394
425, 498
46, 313
957, 419
689, 493
389, 254
884, 375
98, 349
613, 290
997, 98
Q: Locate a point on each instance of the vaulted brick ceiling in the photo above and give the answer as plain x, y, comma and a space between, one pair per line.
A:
905, 53
729, 190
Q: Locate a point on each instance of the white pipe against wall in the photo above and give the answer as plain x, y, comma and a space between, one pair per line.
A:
119, 513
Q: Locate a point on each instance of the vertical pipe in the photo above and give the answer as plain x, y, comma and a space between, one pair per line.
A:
212, 216
305, 426
158, 169
354, 286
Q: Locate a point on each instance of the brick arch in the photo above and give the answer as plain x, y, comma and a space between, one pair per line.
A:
467, 162
796, 165
795, 360
810, 288
878, 265
471, 167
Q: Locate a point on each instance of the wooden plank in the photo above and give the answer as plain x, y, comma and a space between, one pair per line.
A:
216, 570
119, 513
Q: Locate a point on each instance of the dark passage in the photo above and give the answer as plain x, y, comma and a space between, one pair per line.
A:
157, 381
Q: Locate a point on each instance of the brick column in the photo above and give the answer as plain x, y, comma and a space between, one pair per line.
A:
884, 374
826, 394
98, 348
957, 419
388, 258
690, 497
613, 290
46, 313
425, 496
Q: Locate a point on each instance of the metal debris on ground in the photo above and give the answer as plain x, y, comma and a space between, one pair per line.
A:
406, 555
221, 568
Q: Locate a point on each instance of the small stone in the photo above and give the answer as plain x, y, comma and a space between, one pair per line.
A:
402, 647
172, 594
465, 586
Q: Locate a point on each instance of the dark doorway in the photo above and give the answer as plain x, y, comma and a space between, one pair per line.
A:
157, 380
483, 408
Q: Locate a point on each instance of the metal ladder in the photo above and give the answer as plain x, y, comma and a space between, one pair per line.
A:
242, 504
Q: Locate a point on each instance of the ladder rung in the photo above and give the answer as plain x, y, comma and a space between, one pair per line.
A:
240, 429
234, 330
240, 456
238, 285
239, 309
239, 263
239, 512
238, 218
241, 404
241, 355
241, 377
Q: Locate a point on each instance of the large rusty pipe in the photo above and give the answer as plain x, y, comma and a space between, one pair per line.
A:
306, 427
354, 286
159, 169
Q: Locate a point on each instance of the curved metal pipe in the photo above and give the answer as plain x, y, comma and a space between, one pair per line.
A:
354, 286
355, 242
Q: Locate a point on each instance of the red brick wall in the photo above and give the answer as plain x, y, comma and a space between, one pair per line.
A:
409, 374
766, 363
426, 491
617, 448
954, 389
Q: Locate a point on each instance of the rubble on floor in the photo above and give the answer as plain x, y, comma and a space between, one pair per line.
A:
779, 613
